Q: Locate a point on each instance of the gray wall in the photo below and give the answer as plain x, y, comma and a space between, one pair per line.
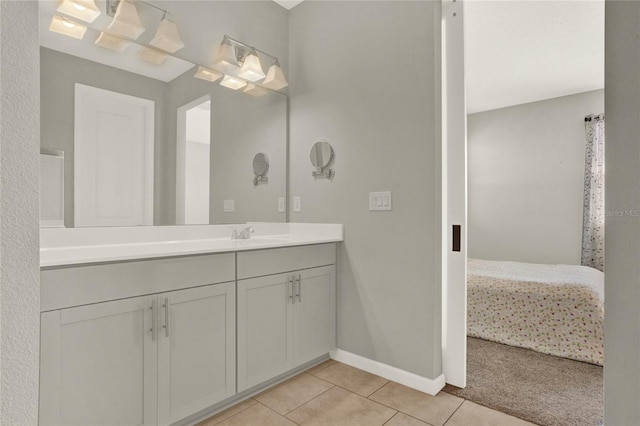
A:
364, 75
59, 74
526, 179
622, 233
19, 175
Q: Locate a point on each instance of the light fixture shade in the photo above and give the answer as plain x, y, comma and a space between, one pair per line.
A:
232, 82
111, 42
152, 56
85, 10
251, 68
207, 74
254, 90
126, 22
225, 58
67, 27
167, 37
275, 78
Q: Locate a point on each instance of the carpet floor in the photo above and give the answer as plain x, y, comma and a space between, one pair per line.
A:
543, 389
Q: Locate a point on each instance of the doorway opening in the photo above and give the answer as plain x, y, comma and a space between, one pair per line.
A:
193, 162
529, 339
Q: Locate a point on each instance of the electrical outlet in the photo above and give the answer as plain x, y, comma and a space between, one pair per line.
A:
281, 206
297, 204
229, 206
380, 201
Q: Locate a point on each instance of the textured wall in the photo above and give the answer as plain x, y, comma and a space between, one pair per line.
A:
364, 75
19, 180
622, 226
526, 179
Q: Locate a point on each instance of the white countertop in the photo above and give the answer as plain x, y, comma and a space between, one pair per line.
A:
73, 246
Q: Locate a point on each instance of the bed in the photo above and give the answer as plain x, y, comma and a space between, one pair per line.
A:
553, 309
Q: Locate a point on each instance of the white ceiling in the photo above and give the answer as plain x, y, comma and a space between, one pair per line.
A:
288, 4
525, 51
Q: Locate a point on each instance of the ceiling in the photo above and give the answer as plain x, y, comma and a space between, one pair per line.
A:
288, 4
525, 51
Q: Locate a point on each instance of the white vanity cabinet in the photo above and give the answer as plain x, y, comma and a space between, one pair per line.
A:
196, 350
99, 364
146, 360
286, 319
163, 341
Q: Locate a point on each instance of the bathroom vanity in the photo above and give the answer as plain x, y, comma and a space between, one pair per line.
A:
165, 325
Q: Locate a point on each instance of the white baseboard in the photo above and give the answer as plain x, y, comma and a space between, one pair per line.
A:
423, 384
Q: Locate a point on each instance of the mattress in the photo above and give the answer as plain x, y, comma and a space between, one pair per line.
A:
553, 309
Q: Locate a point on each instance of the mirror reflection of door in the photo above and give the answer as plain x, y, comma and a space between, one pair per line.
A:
193, 162
113, 158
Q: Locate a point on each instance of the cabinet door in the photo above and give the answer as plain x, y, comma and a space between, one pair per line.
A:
196, 354
98, 364
314, 318
264, 329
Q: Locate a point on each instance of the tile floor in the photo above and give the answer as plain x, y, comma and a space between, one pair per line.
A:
335, 394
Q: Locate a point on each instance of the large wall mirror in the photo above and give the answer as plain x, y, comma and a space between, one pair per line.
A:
131, 95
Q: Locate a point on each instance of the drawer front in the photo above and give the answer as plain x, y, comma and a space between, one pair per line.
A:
82, 285
275, 261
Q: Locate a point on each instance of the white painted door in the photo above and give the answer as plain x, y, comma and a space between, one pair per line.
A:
265, 332
314, 313
98, 364
197, 350
113, 158
454, 199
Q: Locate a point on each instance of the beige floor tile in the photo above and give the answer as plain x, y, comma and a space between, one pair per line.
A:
434, 410
477, 415
352, 379
402, 419
321, 366
257, 415
340, 407
220, 417
293, 393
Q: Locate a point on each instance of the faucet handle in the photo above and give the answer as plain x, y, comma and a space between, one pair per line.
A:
234, 233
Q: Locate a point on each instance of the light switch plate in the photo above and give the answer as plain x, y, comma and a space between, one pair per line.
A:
228, 206
297, 204
281, 205
380, 201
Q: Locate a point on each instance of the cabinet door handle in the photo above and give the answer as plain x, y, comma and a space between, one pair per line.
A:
154, 314
166, 316
290, 288
299, 288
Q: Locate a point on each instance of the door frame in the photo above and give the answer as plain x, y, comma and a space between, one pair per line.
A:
149, 107
454, 195
181, 156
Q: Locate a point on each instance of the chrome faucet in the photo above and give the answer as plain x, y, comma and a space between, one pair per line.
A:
245, 234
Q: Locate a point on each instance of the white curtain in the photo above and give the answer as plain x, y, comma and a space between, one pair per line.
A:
593, 213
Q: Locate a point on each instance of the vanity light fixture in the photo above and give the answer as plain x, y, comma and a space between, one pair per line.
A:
207, 74
275, 77
85, 10
62, 25
167, 37
225, 58
111, 42
126, 22
152, 56
240, 59
232, 82
254, 90
251, 68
